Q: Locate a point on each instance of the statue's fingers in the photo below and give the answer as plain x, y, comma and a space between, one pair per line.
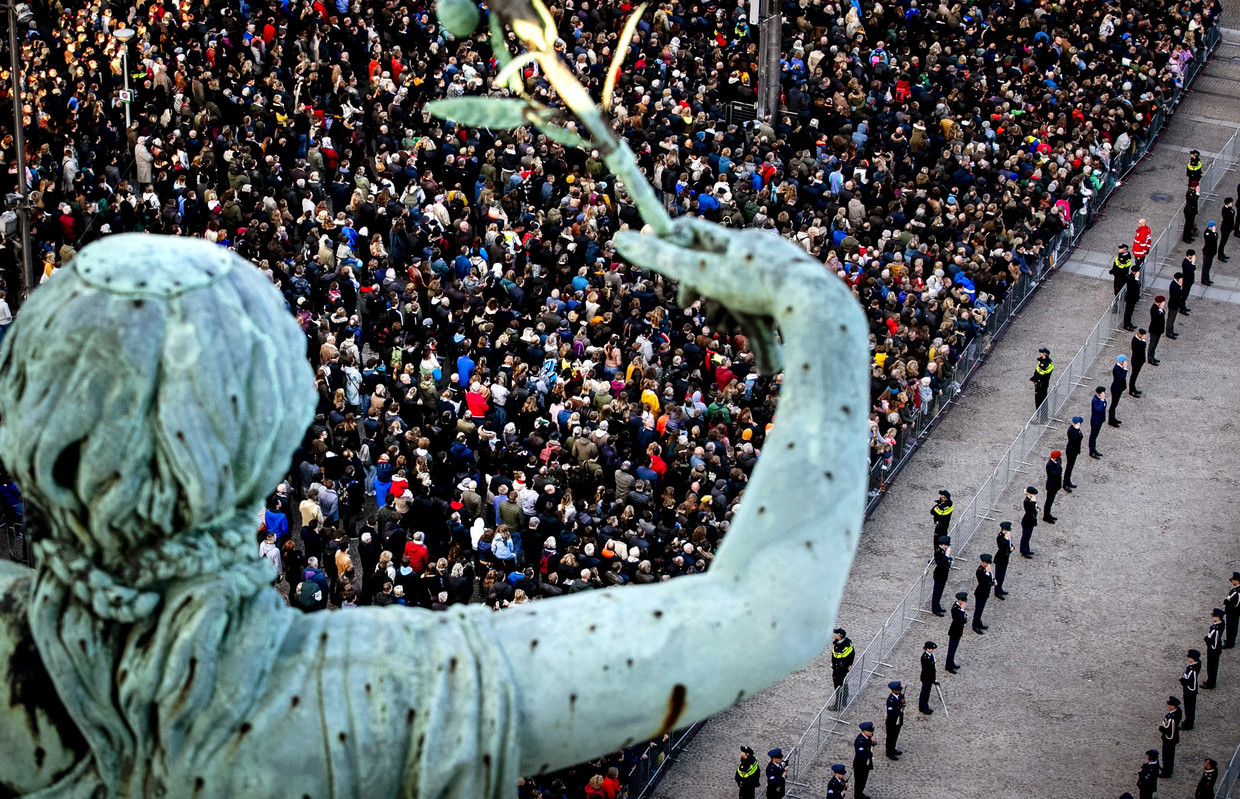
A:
652, 252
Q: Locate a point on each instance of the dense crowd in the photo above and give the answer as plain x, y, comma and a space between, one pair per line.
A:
507, 410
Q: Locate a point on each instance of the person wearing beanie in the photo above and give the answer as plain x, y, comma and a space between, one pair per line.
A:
985, 584
1028, 521
1231, 609
1170, 731
1119, 384
1158, 326
1192, 672
1075, 437
1147, 776
1097, 416
1054, 482
1139, 341
959, 619
1214, 647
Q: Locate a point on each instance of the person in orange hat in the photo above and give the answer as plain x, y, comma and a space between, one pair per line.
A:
1054, 482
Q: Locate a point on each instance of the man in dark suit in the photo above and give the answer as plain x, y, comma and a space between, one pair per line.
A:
1028, 521
942, 569
1075, 437
1227, 228
1054, 482
956, 629
1175, 303
929, 677
1209, 249
1097, 417
1003, 554
1158, 326
1119, 384
1189, 269
1132, 293
1139, 341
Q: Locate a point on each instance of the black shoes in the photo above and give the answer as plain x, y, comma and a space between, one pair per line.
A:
1130, 328
1173, 335
940, 613
1095, 455
1116, 423
1050, 519
1069, 490
1135, 394
1206, 283
953, 669
1069, 484
929, 711
1153, 361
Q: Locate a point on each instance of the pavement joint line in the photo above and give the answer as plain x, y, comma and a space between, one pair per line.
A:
1213, 121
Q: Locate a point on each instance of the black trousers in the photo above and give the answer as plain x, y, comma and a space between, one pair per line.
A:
861, 775
923, 699
1172, 313
1206, 264
1050, 500
1190, 709
1223, 236
1026, 534
838, 679
1231, 621
1154, 339
1115, 395
1168, 758
1132, 378
1067, 471
1093, 437
936, 597
952, 643
981, 600
1211, 667
893, 735
1000, 574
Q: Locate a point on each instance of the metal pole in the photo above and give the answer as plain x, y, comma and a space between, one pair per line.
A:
770, 33
19, 142
125, 63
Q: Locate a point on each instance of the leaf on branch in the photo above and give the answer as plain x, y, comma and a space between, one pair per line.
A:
482, 112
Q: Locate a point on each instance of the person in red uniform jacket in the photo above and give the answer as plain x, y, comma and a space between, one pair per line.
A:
1141, 242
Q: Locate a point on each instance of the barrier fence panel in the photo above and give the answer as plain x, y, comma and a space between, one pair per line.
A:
1228, 782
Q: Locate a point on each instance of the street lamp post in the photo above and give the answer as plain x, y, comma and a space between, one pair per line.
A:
123, 36
20, 14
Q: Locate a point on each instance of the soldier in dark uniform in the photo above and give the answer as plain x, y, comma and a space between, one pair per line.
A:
1190, 215
1209, 249
1003, 553
863, 757
1132, 293
1028, 521
747, 776
1188, 268
942, 569
942, 515
839, 782
1042, 377
895, 718
1226, 228
959, 619
1192, 673
1054, 482
1214, 647
985, 582
929, 677
776, 775
1175, 303
1209, 778
842, 656
1170, 730
1119, 384
1097, 416
1147, 777
1158, 326
1075, 437
1139, 342
1231, 609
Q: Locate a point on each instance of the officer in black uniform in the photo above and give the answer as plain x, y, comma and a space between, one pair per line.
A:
895, 718
1189, 679
1191, 199
1119, 384
942, 515
1195, 168
1028, 521
1054, 482
1170, 730
842, 656
929, 677
747, 776
1121, 267
1209, 249
1140, 341
1147, 777
1075, 437
1003, 553
1042, 378
942, 569
1209, 778
1132, 294
959, 619
1231, 609
1214, 647
985, 582
863, 757
776, 775
839, 782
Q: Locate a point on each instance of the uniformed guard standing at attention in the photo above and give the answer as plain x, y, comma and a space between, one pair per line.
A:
776, 775
1132, 294
1194, 169
1075, 437
942, 570
863, 757
1231, 608
942, 515
959, 619
1140, 341
747, 776
929, 677
1191, 200
1147, 777
842, 656
1192, 672
1119, 384
1042, 378
1170, 730
1097, 416
1209, 249
1209, 778
1003, 553
895, 719
1054, 482
839, 782
1214, 647
985, 582
1158, 326
1028, 521
1121, 266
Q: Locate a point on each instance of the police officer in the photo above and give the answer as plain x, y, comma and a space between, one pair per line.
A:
1054, 482
1209, 777
1214, 647
1121, 267
929, 677
839, 782
895, 718
1003, 553
1119, 384
863, 757
1170, 729
1147, 777
1097, 416
1042, 377
956, 629
1139, 342
942, 515
1190, 215
942, 569
1231, 609
1194, 169
985, 582
1192, 672
842, 656
747, 777
776, 775
1028, 521
1075, 437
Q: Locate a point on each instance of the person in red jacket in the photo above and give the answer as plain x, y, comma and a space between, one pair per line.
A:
417, 552
1141, 242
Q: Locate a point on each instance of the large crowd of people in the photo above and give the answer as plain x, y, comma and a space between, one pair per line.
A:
508, 411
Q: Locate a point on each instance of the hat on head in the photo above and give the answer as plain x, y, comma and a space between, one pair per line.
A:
1077, 420
1194, 654
986, 557
1217, 612
775, 753
839, 631
895, 685
1055, 454
945, 539
930, 645
1235, 576
962, 595
1044, 351
1121, 358
1174, 701
838, 768
945, 493
1151, 753
1160, 298
747, 750
1031, 489
1005, 525
866, 725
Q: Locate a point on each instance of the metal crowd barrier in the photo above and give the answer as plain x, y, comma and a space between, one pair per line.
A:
1226, 787
983, 507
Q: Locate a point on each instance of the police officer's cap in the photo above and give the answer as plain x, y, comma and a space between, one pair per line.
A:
1123, 246
1032, 489
1194, 654
1194, 152
945, 493
840, 632
1217, 612
931, 645
1151, 753
1005, 525
747, 750
945, 539
986, 557
838, 768
894, 685
962, 595
1235, 576
1044, 350
1077, 420
1174, 701
866, 725
775, 753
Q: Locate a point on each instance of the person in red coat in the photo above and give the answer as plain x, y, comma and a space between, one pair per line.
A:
1141, 242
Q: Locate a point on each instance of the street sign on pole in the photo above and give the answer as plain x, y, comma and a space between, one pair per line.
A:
125, 96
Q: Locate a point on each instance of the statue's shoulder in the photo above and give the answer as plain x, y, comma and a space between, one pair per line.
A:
41, 743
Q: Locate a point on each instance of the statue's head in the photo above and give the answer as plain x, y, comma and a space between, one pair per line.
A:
152, 393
